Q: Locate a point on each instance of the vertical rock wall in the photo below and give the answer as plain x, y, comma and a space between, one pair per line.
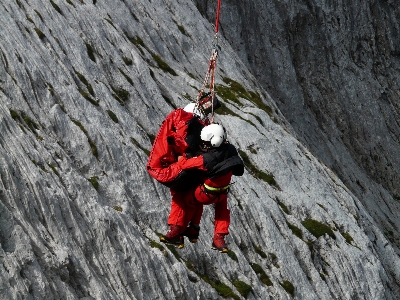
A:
333, 69
84, 87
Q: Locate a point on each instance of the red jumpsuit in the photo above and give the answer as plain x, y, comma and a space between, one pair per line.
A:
188, 206
163, 165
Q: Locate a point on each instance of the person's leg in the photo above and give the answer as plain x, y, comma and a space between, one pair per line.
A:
221, 224
222, 215
199, 197
178, 207
193, 215
196, 218
176, 220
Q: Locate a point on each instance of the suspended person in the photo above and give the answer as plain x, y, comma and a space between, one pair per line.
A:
222, 161
173, 160
179, 137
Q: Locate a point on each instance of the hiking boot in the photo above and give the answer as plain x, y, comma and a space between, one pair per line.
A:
192, 233
173, 236
219, 243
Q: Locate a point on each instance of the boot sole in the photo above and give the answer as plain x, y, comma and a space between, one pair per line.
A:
177, 245
192, 238
223, 250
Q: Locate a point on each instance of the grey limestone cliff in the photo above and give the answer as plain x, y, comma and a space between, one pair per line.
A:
333, 69
84, 87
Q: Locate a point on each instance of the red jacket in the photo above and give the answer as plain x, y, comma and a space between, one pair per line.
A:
170, 142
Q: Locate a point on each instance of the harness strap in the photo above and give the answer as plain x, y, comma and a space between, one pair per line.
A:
215, 189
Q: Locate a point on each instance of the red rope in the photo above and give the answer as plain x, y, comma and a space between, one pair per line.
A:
217, 17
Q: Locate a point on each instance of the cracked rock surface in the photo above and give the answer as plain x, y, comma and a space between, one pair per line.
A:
84, 87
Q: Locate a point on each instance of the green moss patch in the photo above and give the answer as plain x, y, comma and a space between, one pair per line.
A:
221, 288
163, 65
40, 16
56, 7
224, 110
118, 208
54, 169
283, 206
136, 143
94, 182
189, 265
234, 90
263, 276
91, 143
174, 251
225, 92
90, 52
182, 30
43, 167
269, 178
79, 124
296, 230
85, 82
154, 244
93, 148
288, 287
252, 149
126, 76
169, 101
14, 114
273, 256
243, 288
259, 251
40, 34
21, 116
120, 95
347, 236
232, 255
85, 95
112, 116
322, 276
110, 22
323, 207
317, 228
137, 41
127, 61
50, 88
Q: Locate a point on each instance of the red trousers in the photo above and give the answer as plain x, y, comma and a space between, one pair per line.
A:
188, 206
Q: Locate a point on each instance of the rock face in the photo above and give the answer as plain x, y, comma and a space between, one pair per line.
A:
310, 103
333, 70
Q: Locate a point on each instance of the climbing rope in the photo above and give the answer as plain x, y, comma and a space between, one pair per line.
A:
212, 65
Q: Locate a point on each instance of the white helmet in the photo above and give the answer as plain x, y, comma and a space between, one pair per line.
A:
192, 108
214, 133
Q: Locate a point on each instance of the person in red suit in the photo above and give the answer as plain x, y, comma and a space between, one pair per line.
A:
179, 137
220, 162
